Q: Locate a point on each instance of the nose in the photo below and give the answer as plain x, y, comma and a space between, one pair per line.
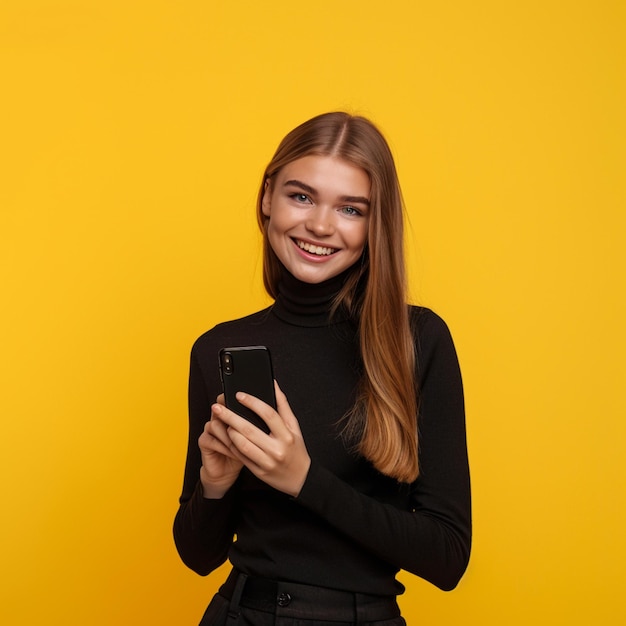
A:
320, 221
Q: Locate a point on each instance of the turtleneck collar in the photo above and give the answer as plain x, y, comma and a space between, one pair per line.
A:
306, 304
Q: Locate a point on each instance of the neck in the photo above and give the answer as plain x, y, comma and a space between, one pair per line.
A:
307, 304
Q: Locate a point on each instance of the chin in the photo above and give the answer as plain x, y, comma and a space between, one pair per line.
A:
312, 280
313, 277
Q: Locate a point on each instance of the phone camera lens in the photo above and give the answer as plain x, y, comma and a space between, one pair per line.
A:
228, 363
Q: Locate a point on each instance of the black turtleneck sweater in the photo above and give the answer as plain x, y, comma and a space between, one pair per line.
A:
351, 527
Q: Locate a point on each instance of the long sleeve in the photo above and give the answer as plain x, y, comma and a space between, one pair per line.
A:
350, 527
432, 539
203, 528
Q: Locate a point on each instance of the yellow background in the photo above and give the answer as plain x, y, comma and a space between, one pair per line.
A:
133, 136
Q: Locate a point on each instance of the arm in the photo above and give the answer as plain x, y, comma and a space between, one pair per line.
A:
427, 530
433, 539
203, 528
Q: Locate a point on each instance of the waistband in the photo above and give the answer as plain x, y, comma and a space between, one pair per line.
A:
287, 599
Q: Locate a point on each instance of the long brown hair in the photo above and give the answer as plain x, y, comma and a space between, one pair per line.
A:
385, 414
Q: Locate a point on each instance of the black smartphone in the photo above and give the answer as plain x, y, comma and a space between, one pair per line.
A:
247, 369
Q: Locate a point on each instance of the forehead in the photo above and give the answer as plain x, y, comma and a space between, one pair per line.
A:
327, 174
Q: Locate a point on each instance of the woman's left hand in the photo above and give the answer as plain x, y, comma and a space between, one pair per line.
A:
279, 459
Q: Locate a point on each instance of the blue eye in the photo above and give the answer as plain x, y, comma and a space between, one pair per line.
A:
350, 210
299, 197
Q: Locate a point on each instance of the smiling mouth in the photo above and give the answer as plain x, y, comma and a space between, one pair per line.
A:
311, 249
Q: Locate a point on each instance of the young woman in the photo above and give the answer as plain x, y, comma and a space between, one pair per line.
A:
365, 469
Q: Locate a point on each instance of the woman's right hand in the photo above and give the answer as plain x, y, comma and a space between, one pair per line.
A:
220, 468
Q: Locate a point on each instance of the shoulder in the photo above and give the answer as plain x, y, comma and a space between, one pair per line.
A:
433, 340
427, 325
232, 332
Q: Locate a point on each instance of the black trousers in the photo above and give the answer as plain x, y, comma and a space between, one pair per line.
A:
248, 601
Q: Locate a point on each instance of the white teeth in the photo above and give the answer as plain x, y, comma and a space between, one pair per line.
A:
315, 249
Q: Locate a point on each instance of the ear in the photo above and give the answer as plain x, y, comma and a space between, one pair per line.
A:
266, 203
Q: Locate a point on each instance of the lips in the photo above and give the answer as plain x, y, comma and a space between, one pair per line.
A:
313, 249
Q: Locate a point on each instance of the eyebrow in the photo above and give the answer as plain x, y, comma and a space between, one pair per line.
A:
312, 191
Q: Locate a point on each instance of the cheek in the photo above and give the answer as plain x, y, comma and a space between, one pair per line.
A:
279, 220
274, 228
359, 238
276, 236
271, 234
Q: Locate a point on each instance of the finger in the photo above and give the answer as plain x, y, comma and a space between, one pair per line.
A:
210, 444
239, 424
261, 449
216, 428
282, 405
215, 431
220, 399
245, 450
263, 410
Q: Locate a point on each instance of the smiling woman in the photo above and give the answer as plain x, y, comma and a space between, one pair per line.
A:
317, 210
329, 505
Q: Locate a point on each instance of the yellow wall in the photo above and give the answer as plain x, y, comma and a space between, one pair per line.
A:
132, 138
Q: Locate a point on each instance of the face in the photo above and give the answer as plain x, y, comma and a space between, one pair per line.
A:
318, 210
